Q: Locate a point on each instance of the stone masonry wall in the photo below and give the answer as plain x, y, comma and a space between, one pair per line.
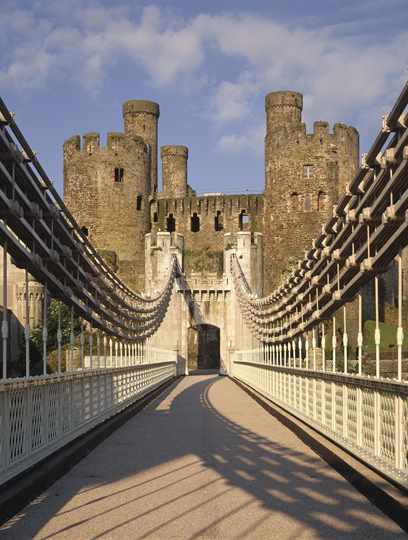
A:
204, 248
304, 176
115, 213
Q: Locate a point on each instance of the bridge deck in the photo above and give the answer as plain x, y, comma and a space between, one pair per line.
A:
204, 460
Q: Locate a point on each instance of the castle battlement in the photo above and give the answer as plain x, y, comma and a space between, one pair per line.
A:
321, 129
209, 203
90, 143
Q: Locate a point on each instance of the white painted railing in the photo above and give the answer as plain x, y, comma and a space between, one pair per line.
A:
39, 415
129, 355
367, 416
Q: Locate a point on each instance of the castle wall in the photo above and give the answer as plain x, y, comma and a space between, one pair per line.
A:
107, 190
304, 176
204, 248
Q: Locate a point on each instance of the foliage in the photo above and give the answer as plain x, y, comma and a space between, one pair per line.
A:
36, 340
54, 308
388, 333
203, 260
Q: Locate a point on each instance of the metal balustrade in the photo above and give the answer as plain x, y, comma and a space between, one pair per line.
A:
366, 416
39, 415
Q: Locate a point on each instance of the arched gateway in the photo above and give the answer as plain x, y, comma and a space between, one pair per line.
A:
203, 347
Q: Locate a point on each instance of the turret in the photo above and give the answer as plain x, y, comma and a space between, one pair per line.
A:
283, 108
140, 118
174, 170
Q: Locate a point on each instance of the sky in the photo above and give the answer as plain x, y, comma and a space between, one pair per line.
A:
67, 66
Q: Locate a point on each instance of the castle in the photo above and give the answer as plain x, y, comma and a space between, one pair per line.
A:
113, 192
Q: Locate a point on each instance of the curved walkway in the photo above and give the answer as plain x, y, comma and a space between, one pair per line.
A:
203, 460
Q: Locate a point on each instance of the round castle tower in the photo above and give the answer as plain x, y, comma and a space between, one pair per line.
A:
174, 170
305, 173
107, 190
283, 108
140, 118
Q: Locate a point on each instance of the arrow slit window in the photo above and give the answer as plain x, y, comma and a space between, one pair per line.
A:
119, 174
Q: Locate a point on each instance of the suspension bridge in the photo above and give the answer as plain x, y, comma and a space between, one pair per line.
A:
303, 437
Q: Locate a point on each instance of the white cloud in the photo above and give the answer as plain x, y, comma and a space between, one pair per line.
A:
235, 143
232, 100
342, 75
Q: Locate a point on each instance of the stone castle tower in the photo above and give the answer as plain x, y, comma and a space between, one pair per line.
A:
174, 170
304, 176
108, 188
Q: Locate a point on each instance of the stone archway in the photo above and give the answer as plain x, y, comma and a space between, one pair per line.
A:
203, 347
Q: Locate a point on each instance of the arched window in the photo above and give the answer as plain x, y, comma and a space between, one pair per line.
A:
294, 202
307, 202
321, 201
171, 223
195, 222
218, 222
243, 220
139, 199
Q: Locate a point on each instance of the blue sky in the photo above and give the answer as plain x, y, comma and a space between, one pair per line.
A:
66, 67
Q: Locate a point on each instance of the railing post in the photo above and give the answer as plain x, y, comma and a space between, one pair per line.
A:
377, 333
334, 345
98, 349
104, 350
27, 325
360, 335
400, 331
45, 333
300, 353
59, 339
90, 337
4, 323
345, 341
314, 348
399, 433
81, 347
307, 351
71, 339
323, 347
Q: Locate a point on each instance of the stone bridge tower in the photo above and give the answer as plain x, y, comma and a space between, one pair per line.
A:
304, 175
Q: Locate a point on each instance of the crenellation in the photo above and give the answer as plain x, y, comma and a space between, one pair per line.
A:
321, 129
91, 142
115, 141
71, 146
